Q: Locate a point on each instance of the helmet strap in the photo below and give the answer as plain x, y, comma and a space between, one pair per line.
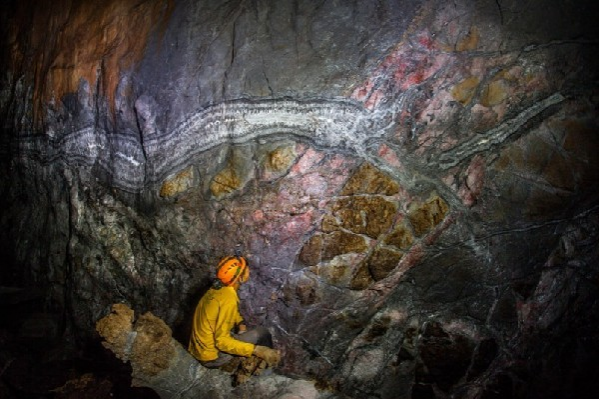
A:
217, 284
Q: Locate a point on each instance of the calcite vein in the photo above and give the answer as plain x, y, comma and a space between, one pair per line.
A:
496, 136
138, 162
134, 163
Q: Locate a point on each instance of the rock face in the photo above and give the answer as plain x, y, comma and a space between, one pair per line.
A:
415, 184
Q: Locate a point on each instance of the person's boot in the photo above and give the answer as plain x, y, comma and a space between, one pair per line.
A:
231, 366
246, 369
261, 367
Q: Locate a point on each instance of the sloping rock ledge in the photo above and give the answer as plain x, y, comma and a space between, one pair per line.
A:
161, 363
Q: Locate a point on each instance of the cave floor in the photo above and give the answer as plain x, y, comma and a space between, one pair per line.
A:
38, 361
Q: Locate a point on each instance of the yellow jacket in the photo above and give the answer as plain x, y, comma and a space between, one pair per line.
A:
215, 316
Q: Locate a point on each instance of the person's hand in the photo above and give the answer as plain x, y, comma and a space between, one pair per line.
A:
242, 328
271, 356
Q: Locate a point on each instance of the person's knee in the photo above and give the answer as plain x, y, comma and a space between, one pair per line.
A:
264, 336
258, 336
261, 331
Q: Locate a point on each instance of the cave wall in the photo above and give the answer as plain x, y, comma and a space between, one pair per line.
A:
414, 183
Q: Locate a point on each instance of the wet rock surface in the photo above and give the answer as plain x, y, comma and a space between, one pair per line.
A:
415, 186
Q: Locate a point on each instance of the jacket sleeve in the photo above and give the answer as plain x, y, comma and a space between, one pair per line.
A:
228, 317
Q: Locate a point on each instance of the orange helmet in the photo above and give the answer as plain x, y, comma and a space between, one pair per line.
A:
232, 269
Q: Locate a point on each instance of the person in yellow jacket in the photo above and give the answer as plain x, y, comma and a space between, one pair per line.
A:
218, 332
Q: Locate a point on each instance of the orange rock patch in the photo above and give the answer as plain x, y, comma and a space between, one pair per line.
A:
71, 40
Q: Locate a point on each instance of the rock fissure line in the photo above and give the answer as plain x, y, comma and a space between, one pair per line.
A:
307, 345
